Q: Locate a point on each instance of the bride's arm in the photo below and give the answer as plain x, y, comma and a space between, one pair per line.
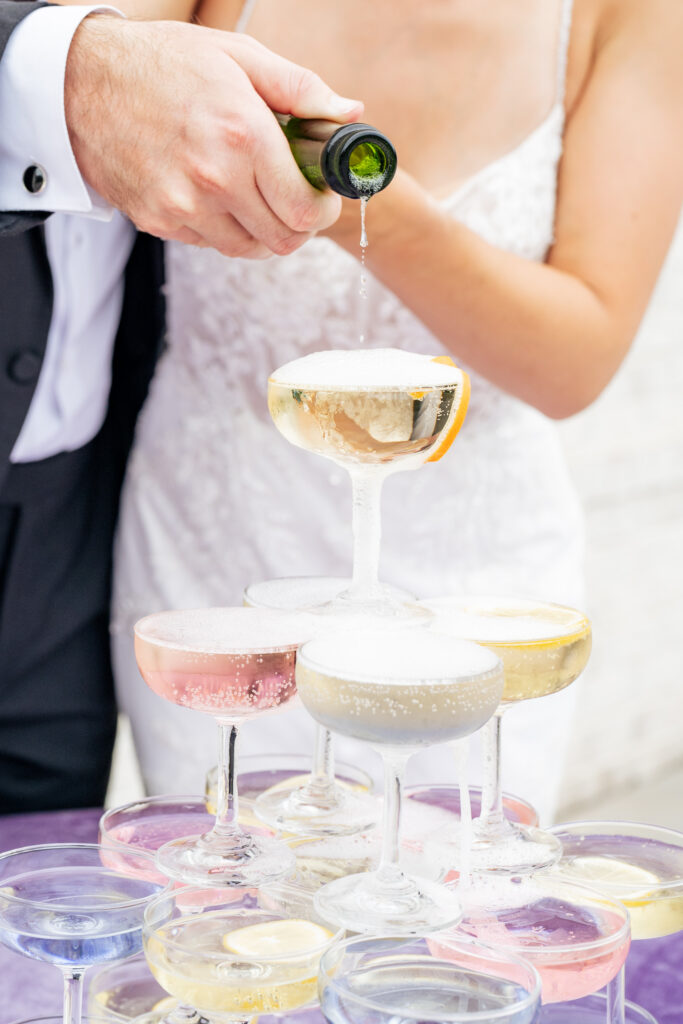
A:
555, 333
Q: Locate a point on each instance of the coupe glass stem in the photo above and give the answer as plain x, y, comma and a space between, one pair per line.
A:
366, 482
616, 1009
73, 996
389, 871
227, 800
492, 817
462, 753
323, 759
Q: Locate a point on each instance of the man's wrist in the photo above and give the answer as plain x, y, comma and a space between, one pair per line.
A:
38, 169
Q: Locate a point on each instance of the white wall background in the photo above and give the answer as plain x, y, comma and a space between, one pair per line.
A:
626, 455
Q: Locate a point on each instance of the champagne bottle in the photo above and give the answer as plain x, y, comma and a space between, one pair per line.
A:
354, 160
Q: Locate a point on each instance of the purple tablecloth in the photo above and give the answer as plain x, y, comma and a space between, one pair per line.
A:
654, 970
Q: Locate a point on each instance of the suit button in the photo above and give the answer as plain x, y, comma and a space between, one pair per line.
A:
35, 179
24, 367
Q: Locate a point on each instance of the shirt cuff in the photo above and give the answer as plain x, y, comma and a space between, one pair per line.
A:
38, 170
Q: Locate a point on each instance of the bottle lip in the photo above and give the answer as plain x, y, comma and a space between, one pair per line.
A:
342, 144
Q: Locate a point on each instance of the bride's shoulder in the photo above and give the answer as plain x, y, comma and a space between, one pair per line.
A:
646, 35
627, 20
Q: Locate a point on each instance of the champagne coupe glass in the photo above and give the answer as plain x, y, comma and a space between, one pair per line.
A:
576, 938
640, 865
544, 647
374, 412
386, 979
149, 823
234, 955
231, 663
62, 905
321, 805
126, 991
399, 691
447, 797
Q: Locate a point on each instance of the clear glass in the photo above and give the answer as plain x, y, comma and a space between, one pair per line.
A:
320, 805
593, 1009
62, 905
576, 938
373, 412
385, 979
148, 823
544, 648
231, 663
103, 1018
639, 865
127, 991
447, 797
398, 692
233, 954
427, 812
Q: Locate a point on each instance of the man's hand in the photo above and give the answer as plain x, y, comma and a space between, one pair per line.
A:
172, 124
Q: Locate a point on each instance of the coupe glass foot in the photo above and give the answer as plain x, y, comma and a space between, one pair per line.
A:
514, 850
201, 860
591, 1010
407, 906
312, 810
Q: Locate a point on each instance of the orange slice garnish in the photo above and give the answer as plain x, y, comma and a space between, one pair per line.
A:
458, 415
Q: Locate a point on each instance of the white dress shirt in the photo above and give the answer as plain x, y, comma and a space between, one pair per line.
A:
88, 244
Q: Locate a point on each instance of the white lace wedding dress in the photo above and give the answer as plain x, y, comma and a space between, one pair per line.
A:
216, 498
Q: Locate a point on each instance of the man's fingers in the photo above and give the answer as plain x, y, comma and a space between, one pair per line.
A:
188, 237
225, 233
289, 88
259, 220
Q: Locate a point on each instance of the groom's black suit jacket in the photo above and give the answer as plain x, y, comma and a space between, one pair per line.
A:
57, 518
26, 305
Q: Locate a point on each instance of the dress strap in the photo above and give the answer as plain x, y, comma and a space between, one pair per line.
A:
245, 14
562, 49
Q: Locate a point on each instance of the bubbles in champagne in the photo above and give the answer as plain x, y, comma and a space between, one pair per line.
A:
411, 689
223, 630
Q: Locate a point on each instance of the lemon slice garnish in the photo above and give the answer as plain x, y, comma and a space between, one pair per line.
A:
631, 879
165, 1004
277, 938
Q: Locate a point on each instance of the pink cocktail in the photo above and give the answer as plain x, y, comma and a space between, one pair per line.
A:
575, 938
231, 663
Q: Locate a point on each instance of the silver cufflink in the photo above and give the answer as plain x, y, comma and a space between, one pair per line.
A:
35, 179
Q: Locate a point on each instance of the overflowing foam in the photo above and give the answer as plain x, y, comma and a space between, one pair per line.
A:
504, 620
417, 656
366, 368
291, 593
224, 630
